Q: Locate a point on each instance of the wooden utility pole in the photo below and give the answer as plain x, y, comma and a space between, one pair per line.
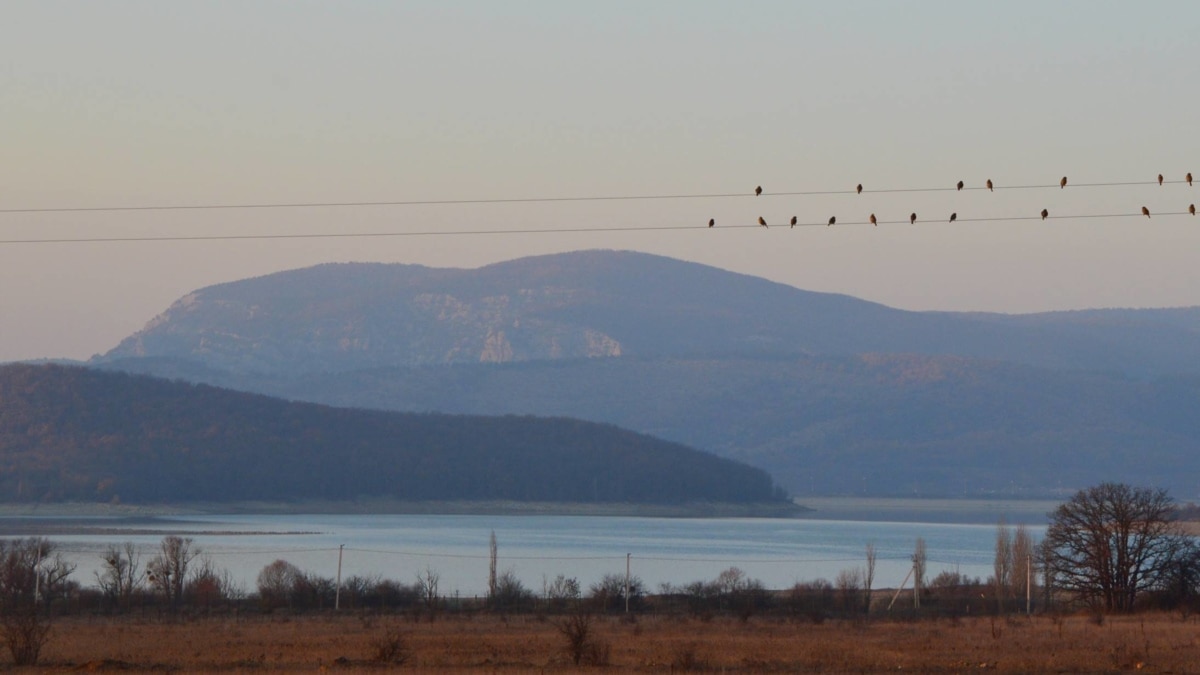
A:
337, 594
627, 558
901, 589
916, 585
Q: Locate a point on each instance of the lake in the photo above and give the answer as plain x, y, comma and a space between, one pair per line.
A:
537, 548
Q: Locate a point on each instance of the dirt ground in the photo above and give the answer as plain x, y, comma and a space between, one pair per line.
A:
533, 644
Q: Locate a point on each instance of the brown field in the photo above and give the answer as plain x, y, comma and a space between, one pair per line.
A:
658, 644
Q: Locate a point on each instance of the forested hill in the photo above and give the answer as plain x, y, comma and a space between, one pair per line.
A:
70, 433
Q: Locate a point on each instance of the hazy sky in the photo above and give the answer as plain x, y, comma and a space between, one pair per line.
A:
166, 103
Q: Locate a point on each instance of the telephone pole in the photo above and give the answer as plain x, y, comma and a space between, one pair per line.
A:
627, 557
337, 595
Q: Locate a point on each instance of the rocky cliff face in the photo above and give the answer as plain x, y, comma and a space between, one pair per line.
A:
239, 327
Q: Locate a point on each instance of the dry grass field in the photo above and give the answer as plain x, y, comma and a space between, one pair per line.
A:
529, 644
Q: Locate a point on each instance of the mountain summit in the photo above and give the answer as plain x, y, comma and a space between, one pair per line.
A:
353, 316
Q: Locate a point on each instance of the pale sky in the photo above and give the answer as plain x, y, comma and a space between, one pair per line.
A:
168, 103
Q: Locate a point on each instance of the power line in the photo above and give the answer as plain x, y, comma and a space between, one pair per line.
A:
531, 200
558, 230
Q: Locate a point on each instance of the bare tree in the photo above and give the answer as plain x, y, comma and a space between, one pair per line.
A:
24, 628
210, 585
869, 578
427, 587
1110, 542
849, 583
1002, 566
609, 593
276, 582
168, 570
1022, 554
562, 592
120, 576
576, 629
730, 581
511, 594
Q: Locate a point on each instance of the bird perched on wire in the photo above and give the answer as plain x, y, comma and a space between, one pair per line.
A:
712, 221
1160, 180
762, 221
1145, 212
912, 219
1045, 214
989, 185
953, 216
873, 221
758, 191
793, 221
1062, 183
1189, 178
860, 187
832, 220
960, 185
1192, 209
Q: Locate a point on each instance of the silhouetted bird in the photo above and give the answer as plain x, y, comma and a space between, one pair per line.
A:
761, 221
989, 184
712, 221
1189, 178
1145, 212
758, 191
832, 220
793, 221
873, 222
1045, 214
953, 217
912, 219
1192, 209
860, 187
1160, 180
960, 185
1062, 183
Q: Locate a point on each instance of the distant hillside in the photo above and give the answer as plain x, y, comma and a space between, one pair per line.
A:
341, 317
831, 394
869, 424
71, 433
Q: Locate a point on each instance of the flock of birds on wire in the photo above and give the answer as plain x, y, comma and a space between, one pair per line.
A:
912, 218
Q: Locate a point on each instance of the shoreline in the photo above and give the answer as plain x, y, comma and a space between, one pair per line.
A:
883, 509
100, 512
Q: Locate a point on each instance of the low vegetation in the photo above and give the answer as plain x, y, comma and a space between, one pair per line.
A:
660, 643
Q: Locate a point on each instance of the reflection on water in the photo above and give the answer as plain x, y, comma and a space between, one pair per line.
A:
779, 552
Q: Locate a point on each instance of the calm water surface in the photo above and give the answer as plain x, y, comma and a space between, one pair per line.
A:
779, 552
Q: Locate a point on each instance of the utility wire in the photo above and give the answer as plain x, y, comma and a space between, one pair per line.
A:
531, 200
557, 230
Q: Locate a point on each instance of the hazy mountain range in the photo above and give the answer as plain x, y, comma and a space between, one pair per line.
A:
829, 393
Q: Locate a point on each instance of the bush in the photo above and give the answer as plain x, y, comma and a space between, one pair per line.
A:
390, 647
511, 594
608, 595
24, 628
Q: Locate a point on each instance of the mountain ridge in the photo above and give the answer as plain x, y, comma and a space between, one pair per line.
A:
830, 394
350, 316
71, 433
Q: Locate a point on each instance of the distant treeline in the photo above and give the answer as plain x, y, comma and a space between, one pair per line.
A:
75, 434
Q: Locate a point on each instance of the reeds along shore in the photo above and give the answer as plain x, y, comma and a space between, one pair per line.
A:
492, 643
